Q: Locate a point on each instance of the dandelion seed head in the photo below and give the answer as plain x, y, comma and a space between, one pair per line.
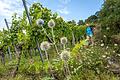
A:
65, 55
51, 23
40, 22
63, 40
45, 45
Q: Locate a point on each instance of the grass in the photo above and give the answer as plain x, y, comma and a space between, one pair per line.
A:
89, 64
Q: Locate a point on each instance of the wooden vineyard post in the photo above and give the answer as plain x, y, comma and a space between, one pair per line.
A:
9, 51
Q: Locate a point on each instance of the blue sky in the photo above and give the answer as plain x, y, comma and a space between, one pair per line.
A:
68, 9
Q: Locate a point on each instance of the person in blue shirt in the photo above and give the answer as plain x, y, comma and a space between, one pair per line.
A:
89, 33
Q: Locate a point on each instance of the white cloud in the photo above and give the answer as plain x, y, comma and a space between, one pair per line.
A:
8, 8
4, 9
65, 1
63, 8
63, 11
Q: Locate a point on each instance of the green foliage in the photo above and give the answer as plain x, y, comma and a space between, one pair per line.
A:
110, 18
89, 63
86, 63
77, 47
80, 22
92, 19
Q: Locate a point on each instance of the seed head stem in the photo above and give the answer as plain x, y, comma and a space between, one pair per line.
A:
54, 42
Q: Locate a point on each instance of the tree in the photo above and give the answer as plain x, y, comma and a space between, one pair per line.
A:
80, 22
91, 19
109, 17
73, 22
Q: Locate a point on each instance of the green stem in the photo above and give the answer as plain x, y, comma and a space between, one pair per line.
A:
64, 46
46, 34
67, 69
46, 54
73, 38
54, 42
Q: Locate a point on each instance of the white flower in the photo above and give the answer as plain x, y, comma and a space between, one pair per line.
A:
118, 54
80, 61
75, 70
102, 44
40, 22
107, 47
108, 57
80, 50
45, 45
108, 28
106, 53
72, 72
101, 40
113, 51
63, 40
92, 52
103, 56
104, 36
115, 44
108, 66
24, 31
71, 66
65, 55
51, 23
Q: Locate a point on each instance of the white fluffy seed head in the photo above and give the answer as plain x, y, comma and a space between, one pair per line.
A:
51, 23
40, 22
65, 55
63, 40
45, 45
